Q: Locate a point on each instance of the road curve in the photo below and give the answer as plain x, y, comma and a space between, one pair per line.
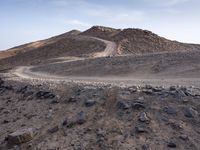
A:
25, 72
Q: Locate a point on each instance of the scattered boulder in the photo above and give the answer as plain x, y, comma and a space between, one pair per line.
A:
21, 136
5, 122
55, 101
69, 123
138, 105
143, 117
183, 137
64, 123
133, 89
72, 99
158, 89
81, 118
141, 129
45, 95
171, 145
90, 102
190, 112
172, 88
123, 105
145, 147
53, 130
148, 91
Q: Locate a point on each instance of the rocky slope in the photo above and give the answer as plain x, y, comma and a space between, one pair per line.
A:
68, 44
138, 41
39, 112
70, 117
75, 43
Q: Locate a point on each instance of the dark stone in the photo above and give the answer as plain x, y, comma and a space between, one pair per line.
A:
143, 117
21, 136
72, 99
53, 130
57, 148
172, 88
5, 121
148, 87
44, 95
55, 101
145, 147
70, 123
123, 105
171, 145
81, 118
158, 89
65, 122
138, 105
89, 103
148, 91
183, 137
169, 110
133, 89
141, 129
190, 112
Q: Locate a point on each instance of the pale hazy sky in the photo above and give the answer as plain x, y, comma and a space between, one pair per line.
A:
24, 21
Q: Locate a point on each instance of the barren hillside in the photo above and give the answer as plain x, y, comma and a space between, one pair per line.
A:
68, 44
138, 41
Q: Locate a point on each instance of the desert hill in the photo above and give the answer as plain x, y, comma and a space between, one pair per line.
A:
138, 41
68, 44
75, 43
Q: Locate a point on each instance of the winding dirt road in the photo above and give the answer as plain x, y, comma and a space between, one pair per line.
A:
27, 72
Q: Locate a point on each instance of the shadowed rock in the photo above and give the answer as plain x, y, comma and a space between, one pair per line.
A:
21, 136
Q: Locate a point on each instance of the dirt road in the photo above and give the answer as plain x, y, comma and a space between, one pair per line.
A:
162, 69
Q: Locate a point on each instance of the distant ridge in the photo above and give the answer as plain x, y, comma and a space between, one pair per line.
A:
75, 43
138, 41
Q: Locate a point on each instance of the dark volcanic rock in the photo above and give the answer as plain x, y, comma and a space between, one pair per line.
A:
54, 129
138, 105
44, 95
72, 99
143, 117
81, 118
171, 145
183, 137
55, 101
148, 91
141, 129
190, 112
69, 123
21, 136
123, 105
89, 103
